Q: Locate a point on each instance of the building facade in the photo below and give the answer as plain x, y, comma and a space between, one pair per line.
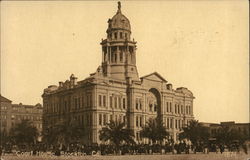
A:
33, 113
12, 114
214, 128
5, 114
115, 92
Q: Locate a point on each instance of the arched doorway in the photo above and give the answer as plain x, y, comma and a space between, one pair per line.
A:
154, 101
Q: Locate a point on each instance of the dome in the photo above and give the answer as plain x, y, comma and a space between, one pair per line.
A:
119, 21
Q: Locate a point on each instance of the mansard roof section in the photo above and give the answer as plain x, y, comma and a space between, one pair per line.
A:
184, 91
72, 83
154, 77
37, 106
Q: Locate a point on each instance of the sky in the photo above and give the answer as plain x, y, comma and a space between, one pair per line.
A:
202, 45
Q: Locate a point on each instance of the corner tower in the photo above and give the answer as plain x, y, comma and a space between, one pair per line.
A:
118, 51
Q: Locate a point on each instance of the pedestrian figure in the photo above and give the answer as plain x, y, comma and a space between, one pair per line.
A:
221, 148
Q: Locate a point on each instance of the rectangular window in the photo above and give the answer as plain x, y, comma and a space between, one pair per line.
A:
171, 123
111, 101
120, 105
136, 104
104, 119
141, 121
121, 35
121, 56
124, 103
111, 117
167, 107
104, 101
140, 104
83, 101
115, 102
90, 100
100, 119
100, 100
170, 106
115, 34
137, 123
167, 122
176, 124
79, 102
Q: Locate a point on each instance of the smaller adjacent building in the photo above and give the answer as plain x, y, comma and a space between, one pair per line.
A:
12, 114
240, 127
32, 113
5, 113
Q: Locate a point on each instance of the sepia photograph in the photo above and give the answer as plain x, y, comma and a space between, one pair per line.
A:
124, 80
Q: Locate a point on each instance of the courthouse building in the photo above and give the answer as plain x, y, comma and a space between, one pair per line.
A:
116, 92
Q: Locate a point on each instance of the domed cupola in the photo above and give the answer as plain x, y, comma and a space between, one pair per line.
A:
119, 26
118, 51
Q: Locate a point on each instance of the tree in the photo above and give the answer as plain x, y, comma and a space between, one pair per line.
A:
24, 133
154, 130
116, 132
227, 135
63, 132
3, 137
195, 132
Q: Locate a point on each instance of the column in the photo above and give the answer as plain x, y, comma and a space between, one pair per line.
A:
110, 57
191, 108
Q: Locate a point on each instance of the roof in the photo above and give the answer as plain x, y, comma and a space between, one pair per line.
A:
119, 21
28, 106
3, 99
157, 74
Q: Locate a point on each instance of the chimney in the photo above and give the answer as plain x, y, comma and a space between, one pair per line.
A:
60, 84
169, 86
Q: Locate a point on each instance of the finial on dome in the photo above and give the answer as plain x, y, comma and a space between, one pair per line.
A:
119, 6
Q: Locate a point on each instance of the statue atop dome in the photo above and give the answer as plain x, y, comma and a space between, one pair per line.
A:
119, 6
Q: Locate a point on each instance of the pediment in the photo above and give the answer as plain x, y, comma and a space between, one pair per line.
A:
154, 77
